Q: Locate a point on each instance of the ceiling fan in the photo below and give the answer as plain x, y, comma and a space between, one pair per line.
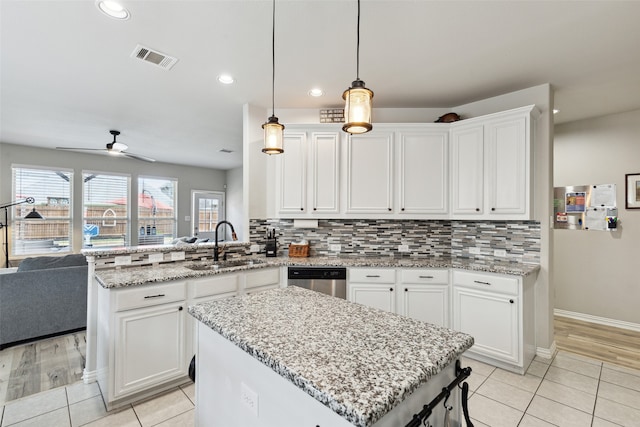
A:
113, 148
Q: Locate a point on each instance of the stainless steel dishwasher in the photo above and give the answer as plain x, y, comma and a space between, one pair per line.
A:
327, 280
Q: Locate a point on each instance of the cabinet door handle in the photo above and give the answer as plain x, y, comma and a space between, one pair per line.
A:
482, 283
390, 209
154, 296
493, 209
301, 209
373, 275
391, 289
180, 308
406, 290
402, 209
315, 209
426, 277
477, 209
511, 301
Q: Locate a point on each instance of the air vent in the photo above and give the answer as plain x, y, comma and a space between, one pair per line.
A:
154, 57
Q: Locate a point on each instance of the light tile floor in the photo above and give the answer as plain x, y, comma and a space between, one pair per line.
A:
570, 390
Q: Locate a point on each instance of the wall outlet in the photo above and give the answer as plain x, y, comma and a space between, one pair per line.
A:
500, 253
177, 256
475, 251
123, 260
156, 257
249, 398
335, 248
403, 248
254, 249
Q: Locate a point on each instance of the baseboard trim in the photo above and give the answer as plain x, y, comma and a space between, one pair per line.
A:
599, 320
547, 353
89, 377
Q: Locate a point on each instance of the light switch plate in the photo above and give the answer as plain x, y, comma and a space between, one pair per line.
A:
254, 249
123, 260
177, 256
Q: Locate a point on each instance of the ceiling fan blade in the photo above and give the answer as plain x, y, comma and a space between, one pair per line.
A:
137, 156
80, 149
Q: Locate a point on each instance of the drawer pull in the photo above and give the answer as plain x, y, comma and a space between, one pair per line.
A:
154, 296
482, 283
373, 275
426, 277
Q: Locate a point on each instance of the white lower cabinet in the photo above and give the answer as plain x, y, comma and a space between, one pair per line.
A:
149, 347
142, 339
373, 287
422, 294
497, 311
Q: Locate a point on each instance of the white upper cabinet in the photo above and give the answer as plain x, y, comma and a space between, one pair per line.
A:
491, 166
423, 173
369, 173
508, 166
293, 174
308, 179
477, 168
325, 172
467, 170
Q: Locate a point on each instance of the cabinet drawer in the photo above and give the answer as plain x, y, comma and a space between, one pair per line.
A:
420, 275
146, 296
487, 282
262, 277
214, 285
372, 275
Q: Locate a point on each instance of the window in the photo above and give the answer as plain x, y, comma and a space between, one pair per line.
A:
105, 207
157, 216
52, 191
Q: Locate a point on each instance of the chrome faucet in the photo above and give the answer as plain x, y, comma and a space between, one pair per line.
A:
216, 250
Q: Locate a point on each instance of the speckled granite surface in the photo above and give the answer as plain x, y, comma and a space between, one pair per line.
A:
116, 278
358, 361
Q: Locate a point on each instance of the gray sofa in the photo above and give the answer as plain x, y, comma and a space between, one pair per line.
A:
46, 296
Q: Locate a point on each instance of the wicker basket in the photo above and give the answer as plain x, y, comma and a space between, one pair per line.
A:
298, 251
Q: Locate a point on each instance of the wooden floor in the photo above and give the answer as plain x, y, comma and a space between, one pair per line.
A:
606, 343
41, 365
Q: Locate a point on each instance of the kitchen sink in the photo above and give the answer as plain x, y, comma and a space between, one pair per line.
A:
224, 264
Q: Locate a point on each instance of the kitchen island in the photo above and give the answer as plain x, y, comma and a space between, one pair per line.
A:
293, 357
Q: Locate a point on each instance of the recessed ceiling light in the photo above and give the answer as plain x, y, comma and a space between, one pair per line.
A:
226, 79
316, 92
555, 111
112, 9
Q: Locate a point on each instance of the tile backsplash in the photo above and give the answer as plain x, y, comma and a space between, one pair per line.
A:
520, 240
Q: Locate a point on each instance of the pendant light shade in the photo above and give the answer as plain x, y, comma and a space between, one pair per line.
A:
273, 136
358, 99
273, 131
357, 109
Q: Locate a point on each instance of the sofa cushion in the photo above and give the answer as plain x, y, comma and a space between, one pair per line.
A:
46, 262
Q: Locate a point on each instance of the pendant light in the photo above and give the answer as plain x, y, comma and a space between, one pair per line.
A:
273, 131
357, 109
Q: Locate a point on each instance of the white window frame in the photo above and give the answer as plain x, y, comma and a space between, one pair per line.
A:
15, 222
111, 219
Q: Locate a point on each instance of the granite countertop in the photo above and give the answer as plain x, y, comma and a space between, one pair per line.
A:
131, 276
359, 361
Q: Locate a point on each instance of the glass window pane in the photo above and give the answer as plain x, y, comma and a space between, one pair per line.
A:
156, 210
51, 190
106, 210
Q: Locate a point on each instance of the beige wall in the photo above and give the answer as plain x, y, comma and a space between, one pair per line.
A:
188, 178
596, 272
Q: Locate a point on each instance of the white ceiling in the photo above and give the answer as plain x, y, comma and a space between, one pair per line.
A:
67, 77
